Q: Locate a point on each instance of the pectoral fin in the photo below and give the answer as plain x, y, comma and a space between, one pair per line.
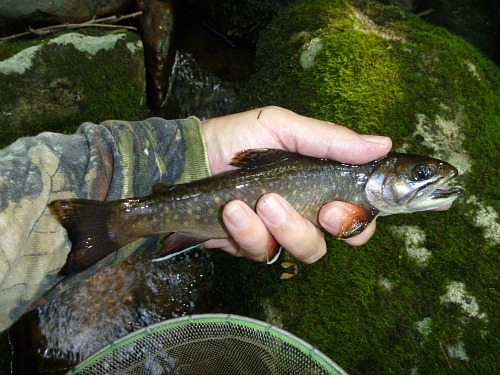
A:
356, 221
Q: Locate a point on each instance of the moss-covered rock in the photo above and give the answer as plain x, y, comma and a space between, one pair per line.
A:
420, 297
54, 84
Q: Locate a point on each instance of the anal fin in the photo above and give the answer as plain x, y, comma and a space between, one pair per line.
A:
178, 243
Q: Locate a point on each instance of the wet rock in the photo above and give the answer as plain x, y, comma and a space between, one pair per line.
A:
27, 12
157, 24
54, 84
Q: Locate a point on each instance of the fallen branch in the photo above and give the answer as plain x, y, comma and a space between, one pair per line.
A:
106, 22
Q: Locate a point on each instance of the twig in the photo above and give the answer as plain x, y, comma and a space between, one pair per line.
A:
425, 12
445, 356
219, 34
106, 22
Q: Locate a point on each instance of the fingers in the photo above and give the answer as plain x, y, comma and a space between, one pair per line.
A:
296, 234
275, 127
254, 234
249, 235
323, 139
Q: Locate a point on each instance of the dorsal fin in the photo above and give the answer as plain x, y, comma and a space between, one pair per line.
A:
260, 157
162, 187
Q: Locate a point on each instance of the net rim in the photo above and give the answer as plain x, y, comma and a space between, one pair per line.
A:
171, 324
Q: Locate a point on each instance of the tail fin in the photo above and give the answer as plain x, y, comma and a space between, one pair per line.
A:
88, 225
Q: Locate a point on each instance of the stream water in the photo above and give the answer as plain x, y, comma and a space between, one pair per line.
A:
111, 304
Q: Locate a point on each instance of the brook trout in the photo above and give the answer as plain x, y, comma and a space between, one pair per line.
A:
396, 183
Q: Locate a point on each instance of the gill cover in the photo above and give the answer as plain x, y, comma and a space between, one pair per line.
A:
403, 183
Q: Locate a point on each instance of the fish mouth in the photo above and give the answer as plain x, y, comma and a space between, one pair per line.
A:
435, 195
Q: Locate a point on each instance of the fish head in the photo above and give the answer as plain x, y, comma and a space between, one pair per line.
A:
404, 183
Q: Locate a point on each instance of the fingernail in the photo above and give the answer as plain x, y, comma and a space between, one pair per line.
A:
272, 210
332, 220
237, 216
379, 139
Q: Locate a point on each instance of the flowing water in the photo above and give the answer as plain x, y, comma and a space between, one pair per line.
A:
113, 303
192, 91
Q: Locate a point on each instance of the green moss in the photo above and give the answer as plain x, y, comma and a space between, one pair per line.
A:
8, 49
382, 71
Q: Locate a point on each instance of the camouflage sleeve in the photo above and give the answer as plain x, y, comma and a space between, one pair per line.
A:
112, 160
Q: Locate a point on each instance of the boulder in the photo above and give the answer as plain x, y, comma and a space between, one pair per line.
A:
416, 299
56, 83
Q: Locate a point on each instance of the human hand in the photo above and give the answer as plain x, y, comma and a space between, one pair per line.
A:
275, 219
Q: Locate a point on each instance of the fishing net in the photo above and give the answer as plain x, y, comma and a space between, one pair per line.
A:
209, 344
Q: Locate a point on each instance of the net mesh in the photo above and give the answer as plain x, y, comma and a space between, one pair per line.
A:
209, 344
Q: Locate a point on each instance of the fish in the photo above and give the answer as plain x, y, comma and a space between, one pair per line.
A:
191, 212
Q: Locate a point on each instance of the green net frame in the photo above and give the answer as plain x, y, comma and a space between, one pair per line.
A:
209, 344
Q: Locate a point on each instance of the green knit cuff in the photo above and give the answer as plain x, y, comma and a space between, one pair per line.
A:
196, 159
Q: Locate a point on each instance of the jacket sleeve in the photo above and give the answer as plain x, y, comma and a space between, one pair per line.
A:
113, 160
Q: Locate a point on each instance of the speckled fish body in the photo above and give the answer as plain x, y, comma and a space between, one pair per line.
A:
397, 183
194, 208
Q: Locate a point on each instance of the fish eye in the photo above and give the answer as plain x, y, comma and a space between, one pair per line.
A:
421, 172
